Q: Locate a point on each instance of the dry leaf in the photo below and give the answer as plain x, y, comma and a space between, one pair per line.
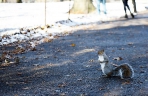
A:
56, 36
33, 49
118, 58
17, 60
139, 81
66, 32
102, 89
130, 43
142, 66
21, 29
62, 94
42, 27
7, 60
36, 65
48, 26
73, 45
142, 71
126, 82
121, 48
47, 40
62, 85
91, 60
81, 95
80, 79
50, 34
26, 88
19, 73
28, 30
5, 64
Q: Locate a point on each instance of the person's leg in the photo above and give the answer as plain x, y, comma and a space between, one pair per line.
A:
98, 6
129, 8
124, 4
134, 5
104, 5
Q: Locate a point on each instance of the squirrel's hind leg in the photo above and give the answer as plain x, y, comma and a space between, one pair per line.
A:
105, 76
121, 74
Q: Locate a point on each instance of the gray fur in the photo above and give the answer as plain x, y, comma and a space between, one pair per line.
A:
109, 70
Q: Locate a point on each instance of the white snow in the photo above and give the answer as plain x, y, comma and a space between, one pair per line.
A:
29, 16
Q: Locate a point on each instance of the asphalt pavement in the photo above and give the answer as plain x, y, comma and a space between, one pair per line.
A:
68, 65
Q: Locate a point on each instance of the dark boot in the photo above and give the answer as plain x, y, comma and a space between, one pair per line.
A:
126, 16
132, 15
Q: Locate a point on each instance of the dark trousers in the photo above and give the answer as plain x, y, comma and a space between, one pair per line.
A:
125, 4
134, 5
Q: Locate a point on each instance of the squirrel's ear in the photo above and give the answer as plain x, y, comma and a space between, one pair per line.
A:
99, 52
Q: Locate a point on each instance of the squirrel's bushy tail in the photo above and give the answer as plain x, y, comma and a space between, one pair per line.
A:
124, 71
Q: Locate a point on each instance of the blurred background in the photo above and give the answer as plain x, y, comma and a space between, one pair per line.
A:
15, 14
33, 1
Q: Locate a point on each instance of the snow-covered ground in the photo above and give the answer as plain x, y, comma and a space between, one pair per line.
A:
25, 21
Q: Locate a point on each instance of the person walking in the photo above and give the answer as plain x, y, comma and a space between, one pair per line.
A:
125, 3
104, 6
134, 5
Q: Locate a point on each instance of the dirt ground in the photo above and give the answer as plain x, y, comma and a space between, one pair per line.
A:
68, 65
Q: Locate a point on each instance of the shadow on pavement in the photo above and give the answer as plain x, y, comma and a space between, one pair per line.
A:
68, 65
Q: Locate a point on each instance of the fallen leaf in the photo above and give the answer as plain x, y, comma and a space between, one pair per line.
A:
42, 27
139, 81
73, 45
48, 26
118, 58
62, 94
126, 82
26, 88
62, 85
2, 68
142, 71
36, 65
102, 89
27, 81
47, 40
130, 43
121, 48
28, 30
79, 79
91, 60
5, 64
50, 34
81, 95
17, 60
142, 66
56, 36
19, 73
21, 29
65, 32
33, 49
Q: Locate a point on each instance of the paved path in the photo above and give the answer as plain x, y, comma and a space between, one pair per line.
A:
68, 65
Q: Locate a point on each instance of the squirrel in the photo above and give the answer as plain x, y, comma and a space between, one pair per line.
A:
124, 70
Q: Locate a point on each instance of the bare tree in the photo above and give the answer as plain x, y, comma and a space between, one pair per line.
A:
4, 1
19, 1
82, 7
11, 1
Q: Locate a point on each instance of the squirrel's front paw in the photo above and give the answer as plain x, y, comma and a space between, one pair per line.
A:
105, 76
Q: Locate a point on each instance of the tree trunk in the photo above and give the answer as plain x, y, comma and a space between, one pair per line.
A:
82, 7
4, 1
19, 1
